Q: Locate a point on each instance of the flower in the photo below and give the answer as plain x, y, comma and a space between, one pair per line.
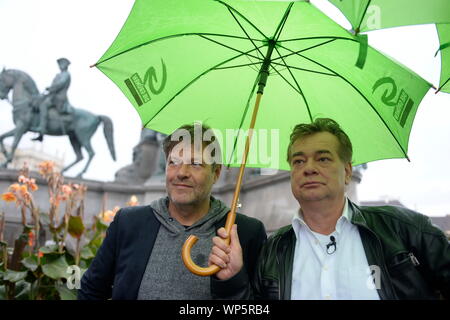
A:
23, 190
31, 238
40, 254
133, 201
46, 168
33, 186
66, 189
31, 183
108, 216
9, 197
14, 187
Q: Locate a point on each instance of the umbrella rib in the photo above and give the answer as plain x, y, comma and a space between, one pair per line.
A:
169, 37
440, 88
360, 93
240, 14
358, 27
282, 22
306, 70
305, 49
240, 65
237, 21
226, 46
321, 37
195, 79
286, 80
298, 86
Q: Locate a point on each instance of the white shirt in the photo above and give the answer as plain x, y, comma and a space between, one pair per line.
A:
341, 275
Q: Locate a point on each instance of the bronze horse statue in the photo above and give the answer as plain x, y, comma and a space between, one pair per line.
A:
79, 125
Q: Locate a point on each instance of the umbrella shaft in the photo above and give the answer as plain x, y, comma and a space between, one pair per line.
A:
232, 214
264, 71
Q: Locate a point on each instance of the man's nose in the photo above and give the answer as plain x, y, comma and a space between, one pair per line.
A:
310, 168
183, 172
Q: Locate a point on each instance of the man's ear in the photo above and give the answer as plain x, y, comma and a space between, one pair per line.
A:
217, 171
348, 173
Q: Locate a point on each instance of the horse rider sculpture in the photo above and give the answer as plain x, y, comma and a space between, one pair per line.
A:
56, 96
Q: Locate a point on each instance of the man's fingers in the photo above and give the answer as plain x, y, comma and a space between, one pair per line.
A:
220, 243
214, 259
221, 254
222, 233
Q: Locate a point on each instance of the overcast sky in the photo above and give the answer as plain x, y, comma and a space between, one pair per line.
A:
33, 34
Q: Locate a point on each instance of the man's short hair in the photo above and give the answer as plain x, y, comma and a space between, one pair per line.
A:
193, 131
302, 130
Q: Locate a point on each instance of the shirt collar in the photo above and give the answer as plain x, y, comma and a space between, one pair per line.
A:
346, 217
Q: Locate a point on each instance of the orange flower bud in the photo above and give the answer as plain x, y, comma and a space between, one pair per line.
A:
31, 238
9, 197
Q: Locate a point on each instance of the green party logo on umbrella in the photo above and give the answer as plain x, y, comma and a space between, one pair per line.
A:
138, 88
404, 103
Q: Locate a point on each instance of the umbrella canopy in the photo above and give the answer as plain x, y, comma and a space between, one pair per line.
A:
367, 15
444, 39
178, 62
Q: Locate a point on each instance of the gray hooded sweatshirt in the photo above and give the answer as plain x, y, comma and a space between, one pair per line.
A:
165, 276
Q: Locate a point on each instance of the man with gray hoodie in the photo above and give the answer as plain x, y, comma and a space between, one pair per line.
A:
140, 257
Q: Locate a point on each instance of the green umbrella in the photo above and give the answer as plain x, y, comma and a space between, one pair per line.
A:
184, 61
444, 39
368, 15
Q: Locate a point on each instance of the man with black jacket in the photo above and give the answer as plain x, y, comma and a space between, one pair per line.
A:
335, 249
140, 258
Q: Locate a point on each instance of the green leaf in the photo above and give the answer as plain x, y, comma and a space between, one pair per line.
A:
65, 293
56, 269
14, 276
31, 263
23, 290
100, 225
53, 248
76, 226
86, 253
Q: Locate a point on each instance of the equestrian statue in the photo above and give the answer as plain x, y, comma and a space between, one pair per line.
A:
50, 114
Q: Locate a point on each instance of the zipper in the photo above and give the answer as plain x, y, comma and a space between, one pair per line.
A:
278, 265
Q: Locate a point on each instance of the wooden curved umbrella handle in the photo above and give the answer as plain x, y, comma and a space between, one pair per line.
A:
190, 242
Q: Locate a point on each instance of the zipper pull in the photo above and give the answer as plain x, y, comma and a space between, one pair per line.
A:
413, 259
